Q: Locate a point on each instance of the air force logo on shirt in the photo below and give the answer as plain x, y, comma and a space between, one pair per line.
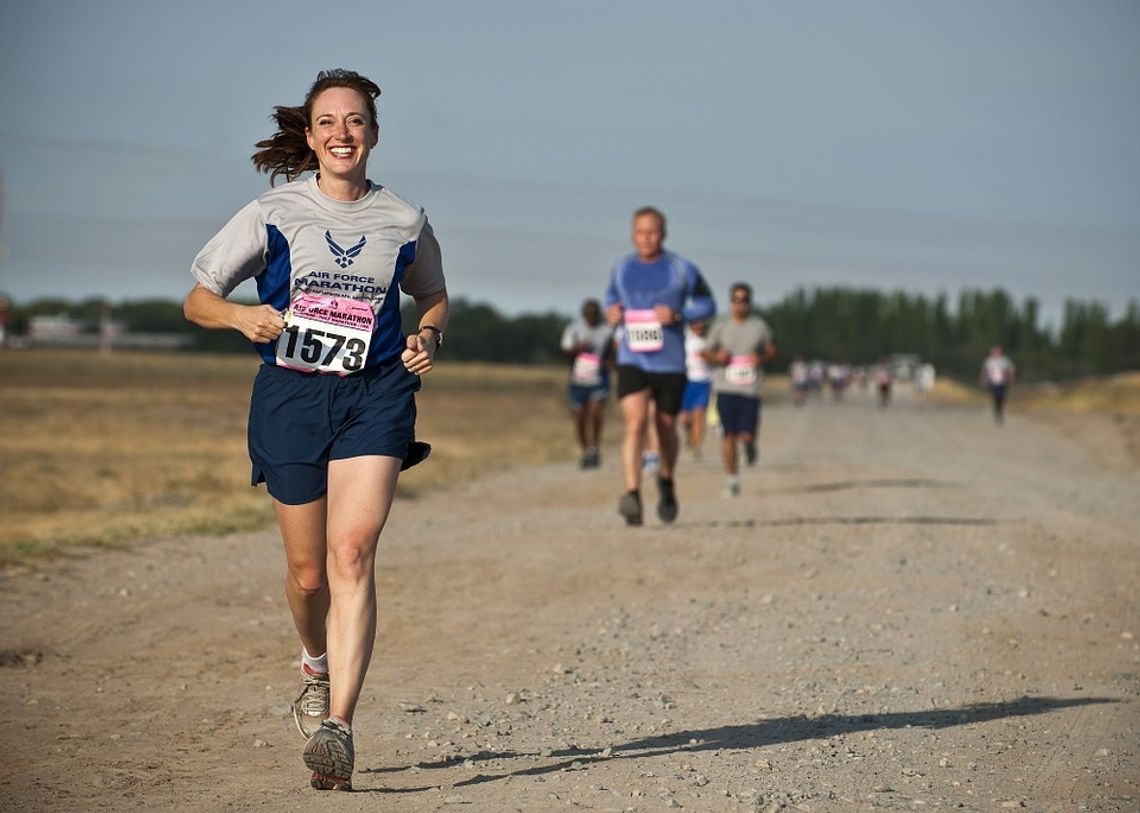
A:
344, 257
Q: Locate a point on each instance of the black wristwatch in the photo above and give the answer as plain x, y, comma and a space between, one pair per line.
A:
438, 334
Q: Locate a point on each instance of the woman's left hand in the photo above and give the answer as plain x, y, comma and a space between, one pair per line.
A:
419, 356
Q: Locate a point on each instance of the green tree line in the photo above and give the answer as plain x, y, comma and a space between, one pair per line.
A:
841, 324
861, 325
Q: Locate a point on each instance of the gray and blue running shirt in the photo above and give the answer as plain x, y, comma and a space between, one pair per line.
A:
294, 239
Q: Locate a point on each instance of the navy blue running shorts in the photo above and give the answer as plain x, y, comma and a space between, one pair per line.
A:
739, 414
299, 421
578, 395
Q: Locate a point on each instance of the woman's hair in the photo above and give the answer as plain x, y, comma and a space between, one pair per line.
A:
287, 151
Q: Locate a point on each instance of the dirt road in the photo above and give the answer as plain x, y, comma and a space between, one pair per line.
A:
905, 610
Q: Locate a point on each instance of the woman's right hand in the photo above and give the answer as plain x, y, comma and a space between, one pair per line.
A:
259, 323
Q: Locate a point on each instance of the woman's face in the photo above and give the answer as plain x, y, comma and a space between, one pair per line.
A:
341, 134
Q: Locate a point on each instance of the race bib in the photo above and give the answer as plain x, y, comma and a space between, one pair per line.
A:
643, 332
326, 334
696, 368
587, 370
740, 372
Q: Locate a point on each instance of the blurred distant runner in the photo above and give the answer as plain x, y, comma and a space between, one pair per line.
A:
838, 377
695, 401
652, 293
801, 383
997, 375
332, 415
588, 343
739, 344
882, 375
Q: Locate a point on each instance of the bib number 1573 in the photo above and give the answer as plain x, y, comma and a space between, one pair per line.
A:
326, 334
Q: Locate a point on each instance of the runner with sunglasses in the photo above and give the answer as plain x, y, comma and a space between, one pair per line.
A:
739, 345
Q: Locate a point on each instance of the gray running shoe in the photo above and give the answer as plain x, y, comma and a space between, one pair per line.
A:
590, 459
667, 503
750, 453
312, 705
630, 508
330, 755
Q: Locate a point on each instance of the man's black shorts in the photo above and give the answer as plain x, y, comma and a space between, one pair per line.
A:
666, 389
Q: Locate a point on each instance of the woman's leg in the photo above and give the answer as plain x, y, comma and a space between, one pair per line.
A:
359, 498
306, 588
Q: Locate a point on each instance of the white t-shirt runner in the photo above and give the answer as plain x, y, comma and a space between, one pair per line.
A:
588, 367
696, 368
998, 370
327, 264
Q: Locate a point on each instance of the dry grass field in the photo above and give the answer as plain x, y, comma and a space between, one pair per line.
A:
102, 449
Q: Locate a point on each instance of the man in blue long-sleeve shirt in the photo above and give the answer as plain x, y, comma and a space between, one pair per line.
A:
652, 294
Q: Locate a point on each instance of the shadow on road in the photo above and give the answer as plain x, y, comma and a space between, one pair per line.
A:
752, 735
846, 485
787, 522
776, 523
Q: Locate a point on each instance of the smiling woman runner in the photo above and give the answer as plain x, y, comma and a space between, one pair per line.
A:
332, 415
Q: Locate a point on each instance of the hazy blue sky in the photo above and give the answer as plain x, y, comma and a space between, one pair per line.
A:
904, 144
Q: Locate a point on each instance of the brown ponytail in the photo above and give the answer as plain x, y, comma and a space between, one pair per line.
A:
287, 151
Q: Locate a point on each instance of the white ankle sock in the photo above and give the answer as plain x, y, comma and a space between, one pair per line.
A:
347, 728
320, 665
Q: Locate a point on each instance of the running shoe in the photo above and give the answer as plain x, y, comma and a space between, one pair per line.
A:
591, 459
667, 503
750, 453
329, 754
731, 488
630, 508
312, 705
650, 462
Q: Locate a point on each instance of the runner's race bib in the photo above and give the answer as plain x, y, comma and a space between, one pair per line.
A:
643, 333
696, 368
587, 370
326, 334
740, 372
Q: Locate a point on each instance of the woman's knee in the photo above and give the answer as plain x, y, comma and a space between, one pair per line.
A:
354, 557
309, 578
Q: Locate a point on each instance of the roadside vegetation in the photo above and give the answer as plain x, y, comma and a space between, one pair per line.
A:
841, 325
104, 449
